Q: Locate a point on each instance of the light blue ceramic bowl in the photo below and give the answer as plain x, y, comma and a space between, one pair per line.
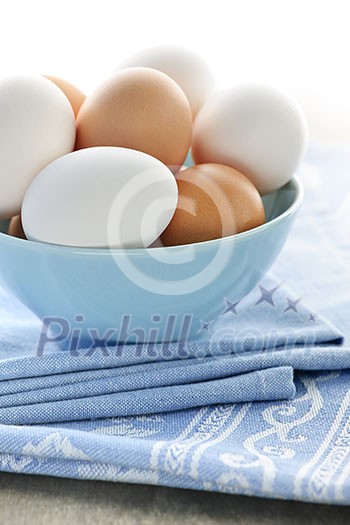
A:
160, 293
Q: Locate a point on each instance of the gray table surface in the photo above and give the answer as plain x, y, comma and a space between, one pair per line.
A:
47, 500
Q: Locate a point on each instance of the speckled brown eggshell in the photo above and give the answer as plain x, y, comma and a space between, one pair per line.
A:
141, 109
214, 201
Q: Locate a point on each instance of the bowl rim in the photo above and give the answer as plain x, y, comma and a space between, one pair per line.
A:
73, 250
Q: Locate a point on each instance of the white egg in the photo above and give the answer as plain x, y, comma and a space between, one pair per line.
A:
36, 127
256, 129
100, 197
188, 69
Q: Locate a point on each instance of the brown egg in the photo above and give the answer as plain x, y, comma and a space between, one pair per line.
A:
214, 201
141, 109
74, 95
16, 228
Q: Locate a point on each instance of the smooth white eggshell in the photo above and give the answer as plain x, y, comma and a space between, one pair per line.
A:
36, 126
259, 130
187, 68
100, 197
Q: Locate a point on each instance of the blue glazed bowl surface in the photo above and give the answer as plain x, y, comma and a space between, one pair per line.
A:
161, 294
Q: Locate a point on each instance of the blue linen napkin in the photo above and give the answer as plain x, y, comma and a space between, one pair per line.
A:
253, 386
132, 379
155, 375
297, 449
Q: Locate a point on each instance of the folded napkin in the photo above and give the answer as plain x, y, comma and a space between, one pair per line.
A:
297, 448
144, 379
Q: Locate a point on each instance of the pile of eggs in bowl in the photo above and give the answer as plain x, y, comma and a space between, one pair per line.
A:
109, 169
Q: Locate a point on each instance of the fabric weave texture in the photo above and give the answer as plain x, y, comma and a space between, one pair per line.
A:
264, 410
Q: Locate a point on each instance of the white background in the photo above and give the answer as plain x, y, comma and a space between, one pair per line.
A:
301, 45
